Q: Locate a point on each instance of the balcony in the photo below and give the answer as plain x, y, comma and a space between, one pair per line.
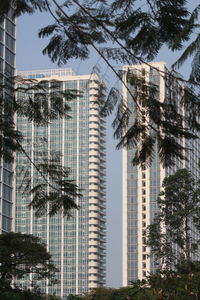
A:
93, 264
93, 214
93, 222
94, 159
93, 194
94, 172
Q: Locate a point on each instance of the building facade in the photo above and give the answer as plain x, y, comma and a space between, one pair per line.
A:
141, 185
7, 70
77, 244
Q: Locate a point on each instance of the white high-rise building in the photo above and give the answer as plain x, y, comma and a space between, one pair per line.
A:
77, 244
7, 70
141, 185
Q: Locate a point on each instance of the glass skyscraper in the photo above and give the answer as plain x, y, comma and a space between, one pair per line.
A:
77, 244
141, 185
7, 69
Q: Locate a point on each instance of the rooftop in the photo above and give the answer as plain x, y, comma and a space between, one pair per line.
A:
35, 74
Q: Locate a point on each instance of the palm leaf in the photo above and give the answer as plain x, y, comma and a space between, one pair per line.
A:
189, 51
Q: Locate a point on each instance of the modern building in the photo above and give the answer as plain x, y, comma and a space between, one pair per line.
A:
7, 70
77, 244
141, 185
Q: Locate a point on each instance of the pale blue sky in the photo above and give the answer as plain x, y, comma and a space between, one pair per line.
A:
29, 56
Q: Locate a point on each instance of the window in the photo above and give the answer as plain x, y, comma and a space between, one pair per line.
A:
143, 199
143, 224
10, 42
6, 223
7, 193
1, 50
143, 207
7, 208
7, 177
10, 27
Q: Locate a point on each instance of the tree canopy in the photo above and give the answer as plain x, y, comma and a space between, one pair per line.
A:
171, 235
32, 100
129, 32
18, 294
24, 254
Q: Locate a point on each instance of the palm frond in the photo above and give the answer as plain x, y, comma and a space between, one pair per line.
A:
189, 51
63, 191
195, 72
145, 151
21, 7
111, 101
169, 149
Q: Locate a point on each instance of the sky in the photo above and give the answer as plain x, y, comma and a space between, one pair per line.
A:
29, 57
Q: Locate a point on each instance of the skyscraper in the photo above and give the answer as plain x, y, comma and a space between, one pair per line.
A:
141, 185
76, 244
7, 69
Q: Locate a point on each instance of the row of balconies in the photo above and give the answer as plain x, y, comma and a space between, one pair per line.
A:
96, 247
96, 159
97, 227
98, 250
101, 145
94, 131
96, 212
100, 256
94, 111
96, 153
94, 270
94, 172
98, 192
95, 197
100, 240
94, 125
95, 280
98, 236
93, 263
93, 164
98, 178
97, 220
100, 203
97, 256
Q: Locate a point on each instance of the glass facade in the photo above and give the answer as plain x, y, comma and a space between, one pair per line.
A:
141, 185
76, 244
7, 70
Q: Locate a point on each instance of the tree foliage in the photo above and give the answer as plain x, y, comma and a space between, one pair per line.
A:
145, 123
22, 6
23, 254
62, 193
137, 33
31, 99
103, 293
18, 294
171, 285
171, 235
